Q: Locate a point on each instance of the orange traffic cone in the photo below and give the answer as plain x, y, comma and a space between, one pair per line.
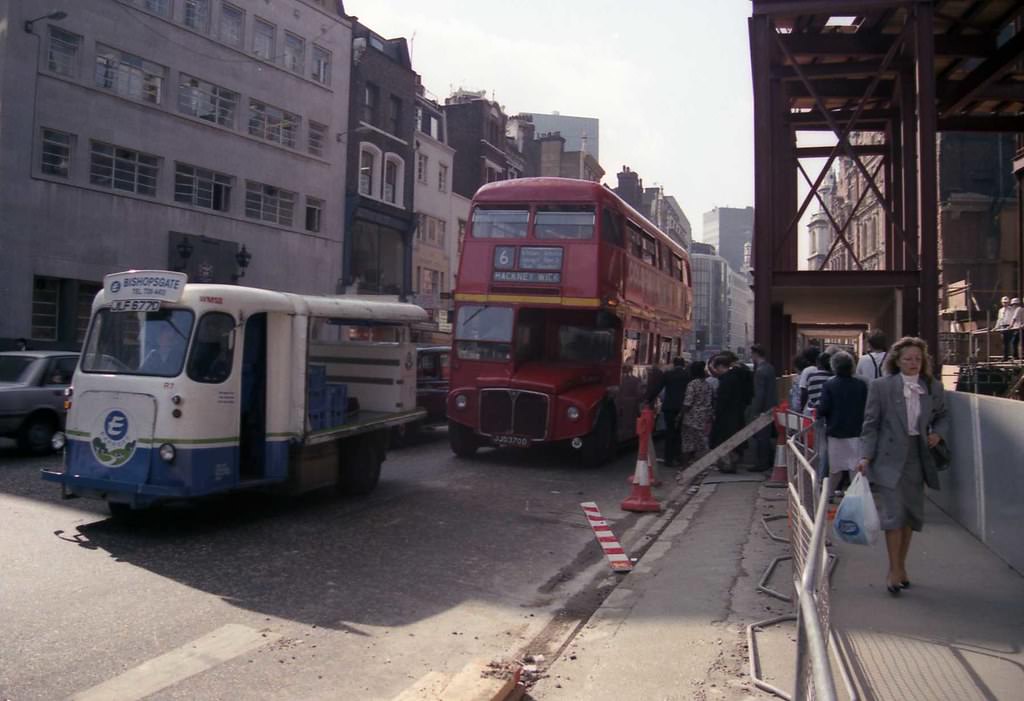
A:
652, 467
640, 497
780, 475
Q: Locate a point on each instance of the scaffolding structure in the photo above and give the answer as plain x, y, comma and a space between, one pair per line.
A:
905, 69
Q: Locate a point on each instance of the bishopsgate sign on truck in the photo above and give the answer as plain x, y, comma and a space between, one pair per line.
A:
144, 285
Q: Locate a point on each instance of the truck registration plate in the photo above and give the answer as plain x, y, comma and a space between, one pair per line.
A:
135, 305
515, 441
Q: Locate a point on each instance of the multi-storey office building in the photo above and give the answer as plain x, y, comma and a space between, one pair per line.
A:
710, 302
379, 198
728, 229
167, 134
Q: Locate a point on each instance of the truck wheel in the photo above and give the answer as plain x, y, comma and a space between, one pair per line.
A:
462, 440
36, 433
599, 444
359, 468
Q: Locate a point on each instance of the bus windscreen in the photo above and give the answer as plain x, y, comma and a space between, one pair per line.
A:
565, 222
500, 223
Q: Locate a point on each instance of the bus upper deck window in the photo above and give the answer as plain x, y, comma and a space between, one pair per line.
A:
500, 223
573, 222
611, 229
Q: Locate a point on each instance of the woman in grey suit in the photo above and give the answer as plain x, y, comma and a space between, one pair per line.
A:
904, 417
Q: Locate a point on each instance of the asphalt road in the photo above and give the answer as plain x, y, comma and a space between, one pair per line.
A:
262, 597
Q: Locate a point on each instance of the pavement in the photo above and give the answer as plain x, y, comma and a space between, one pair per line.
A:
675, 628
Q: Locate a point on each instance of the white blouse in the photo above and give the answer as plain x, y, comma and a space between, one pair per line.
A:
912, 391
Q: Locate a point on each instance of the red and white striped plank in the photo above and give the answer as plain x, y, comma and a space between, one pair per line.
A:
617, 557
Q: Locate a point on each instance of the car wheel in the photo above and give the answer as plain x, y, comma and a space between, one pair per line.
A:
36, 434
462, 440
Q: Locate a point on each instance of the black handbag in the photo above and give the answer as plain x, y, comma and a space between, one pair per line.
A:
941, 455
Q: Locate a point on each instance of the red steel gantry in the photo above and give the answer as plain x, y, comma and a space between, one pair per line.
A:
904, 68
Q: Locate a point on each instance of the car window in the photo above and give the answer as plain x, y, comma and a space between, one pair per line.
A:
61, 371
13, 367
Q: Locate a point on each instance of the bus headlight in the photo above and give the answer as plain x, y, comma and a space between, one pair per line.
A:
573, 413
167, 452
461, 401
58, 441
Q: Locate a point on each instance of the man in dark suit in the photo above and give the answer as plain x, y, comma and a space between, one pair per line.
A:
766, 396
674, 384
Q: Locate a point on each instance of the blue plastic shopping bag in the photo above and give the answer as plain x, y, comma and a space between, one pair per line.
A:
857, 519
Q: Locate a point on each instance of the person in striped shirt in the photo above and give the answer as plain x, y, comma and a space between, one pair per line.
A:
811, 391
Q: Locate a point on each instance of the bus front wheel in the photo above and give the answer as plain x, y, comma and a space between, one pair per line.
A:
599, 444
462, 440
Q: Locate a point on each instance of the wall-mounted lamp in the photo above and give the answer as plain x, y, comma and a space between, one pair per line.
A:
56, 15
243, 257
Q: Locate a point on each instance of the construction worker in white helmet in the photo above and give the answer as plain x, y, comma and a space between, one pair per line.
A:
1016, 327
1003, 321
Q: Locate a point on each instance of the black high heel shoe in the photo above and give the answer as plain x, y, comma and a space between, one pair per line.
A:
893, 589
905, 584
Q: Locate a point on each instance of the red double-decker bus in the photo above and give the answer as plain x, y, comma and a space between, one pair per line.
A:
566, 296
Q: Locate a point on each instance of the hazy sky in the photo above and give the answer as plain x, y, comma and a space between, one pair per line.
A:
669, 79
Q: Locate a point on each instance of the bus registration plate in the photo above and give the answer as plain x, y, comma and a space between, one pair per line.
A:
135, 305
514, 441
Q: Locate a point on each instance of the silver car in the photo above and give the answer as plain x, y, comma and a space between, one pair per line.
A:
32, 385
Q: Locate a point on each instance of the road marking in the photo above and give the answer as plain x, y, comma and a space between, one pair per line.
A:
212, 649
616, 555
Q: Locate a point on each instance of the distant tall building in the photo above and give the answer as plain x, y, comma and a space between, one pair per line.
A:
728, 229
580, 133
667, 215
710, 302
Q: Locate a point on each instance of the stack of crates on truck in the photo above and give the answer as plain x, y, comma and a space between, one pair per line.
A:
337, 403
318, 407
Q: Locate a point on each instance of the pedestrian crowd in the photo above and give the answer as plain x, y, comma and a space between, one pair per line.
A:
883, 415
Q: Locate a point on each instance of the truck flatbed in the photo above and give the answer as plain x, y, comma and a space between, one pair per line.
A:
363, 422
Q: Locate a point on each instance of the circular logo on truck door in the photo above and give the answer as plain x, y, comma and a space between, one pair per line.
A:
114, 443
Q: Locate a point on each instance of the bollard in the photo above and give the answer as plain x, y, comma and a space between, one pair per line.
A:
779, 476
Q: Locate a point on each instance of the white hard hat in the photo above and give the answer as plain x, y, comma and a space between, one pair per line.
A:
1015, 300
1005, 300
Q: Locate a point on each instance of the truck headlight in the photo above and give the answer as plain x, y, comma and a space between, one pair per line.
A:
58, 441
461, 401
573, 413
167, 452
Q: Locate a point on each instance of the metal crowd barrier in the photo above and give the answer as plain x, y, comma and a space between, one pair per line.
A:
812, 565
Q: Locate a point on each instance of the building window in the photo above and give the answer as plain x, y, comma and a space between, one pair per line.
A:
45, 308
369, 157
123, 169
378, 258
197, 15
273, 124
442, 178
395, 115
294, 52
202, 188
421, 168
83, 308
157, 7
314, 210
263, 39
370, 98
321, 65
442, 227
62, 52
269, 203
56, 153
207, 101
394, 177
390, 181
317, 136
232, 23
128, 75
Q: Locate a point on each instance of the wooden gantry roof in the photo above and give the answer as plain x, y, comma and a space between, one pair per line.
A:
844, 46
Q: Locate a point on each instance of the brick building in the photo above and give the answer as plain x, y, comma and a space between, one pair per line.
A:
477, 131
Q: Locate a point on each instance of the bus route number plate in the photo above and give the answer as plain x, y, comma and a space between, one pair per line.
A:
135, 305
